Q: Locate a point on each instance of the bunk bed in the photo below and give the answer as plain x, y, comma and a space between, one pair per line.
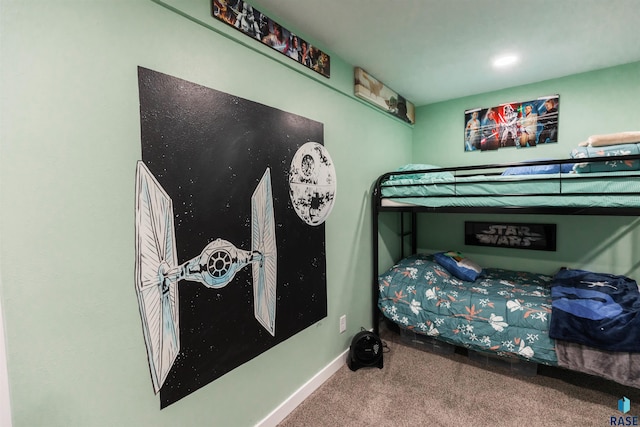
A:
511, 315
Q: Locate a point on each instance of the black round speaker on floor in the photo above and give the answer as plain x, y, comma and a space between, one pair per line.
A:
365, 351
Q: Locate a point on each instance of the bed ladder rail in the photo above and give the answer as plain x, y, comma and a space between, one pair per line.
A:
403, 234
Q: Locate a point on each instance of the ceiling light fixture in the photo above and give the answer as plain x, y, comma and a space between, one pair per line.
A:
505, 61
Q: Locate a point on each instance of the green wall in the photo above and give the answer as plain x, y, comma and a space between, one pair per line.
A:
592, 103
70, 139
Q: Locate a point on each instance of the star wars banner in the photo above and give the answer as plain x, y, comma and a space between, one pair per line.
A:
244, 17
541, 237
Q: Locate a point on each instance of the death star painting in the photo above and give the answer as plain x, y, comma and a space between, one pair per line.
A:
312, 183
225, 268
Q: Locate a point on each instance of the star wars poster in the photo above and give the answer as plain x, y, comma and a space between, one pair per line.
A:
513, 124
375, 92
231, 198
539, 237
244, 17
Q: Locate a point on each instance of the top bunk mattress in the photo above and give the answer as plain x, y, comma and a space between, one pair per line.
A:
438, 189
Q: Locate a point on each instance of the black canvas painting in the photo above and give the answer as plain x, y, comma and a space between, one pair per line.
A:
215, 173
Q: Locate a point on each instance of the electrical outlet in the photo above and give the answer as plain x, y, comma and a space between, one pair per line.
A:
343, 323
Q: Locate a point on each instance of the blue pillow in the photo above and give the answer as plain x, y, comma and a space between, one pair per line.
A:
539, 169
456, 264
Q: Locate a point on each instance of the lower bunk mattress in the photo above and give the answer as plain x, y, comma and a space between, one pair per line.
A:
594, 318
504, 312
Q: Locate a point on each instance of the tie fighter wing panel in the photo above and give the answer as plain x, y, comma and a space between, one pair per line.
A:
263, 240
157, 296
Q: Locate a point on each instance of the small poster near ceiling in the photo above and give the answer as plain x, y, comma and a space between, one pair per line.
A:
375, 92
513, 124
231, 201
244, 17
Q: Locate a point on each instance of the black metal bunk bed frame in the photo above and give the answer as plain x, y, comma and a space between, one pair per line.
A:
466, 171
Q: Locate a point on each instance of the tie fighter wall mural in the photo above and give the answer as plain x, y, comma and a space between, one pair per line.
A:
231, 199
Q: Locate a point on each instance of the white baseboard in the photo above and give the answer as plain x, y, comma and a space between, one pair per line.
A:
292, 402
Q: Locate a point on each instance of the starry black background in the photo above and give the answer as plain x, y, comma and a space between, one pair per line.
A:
209, 150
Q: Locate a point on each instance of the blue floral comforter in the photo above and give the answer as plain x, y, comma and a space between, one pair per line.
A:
503, 312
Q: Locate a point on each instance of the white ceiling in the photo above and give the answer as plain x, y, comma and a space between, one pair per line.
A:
434, 50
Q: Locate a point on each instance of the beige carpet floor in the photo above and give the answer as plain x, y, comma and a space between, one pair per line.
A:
418, 388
